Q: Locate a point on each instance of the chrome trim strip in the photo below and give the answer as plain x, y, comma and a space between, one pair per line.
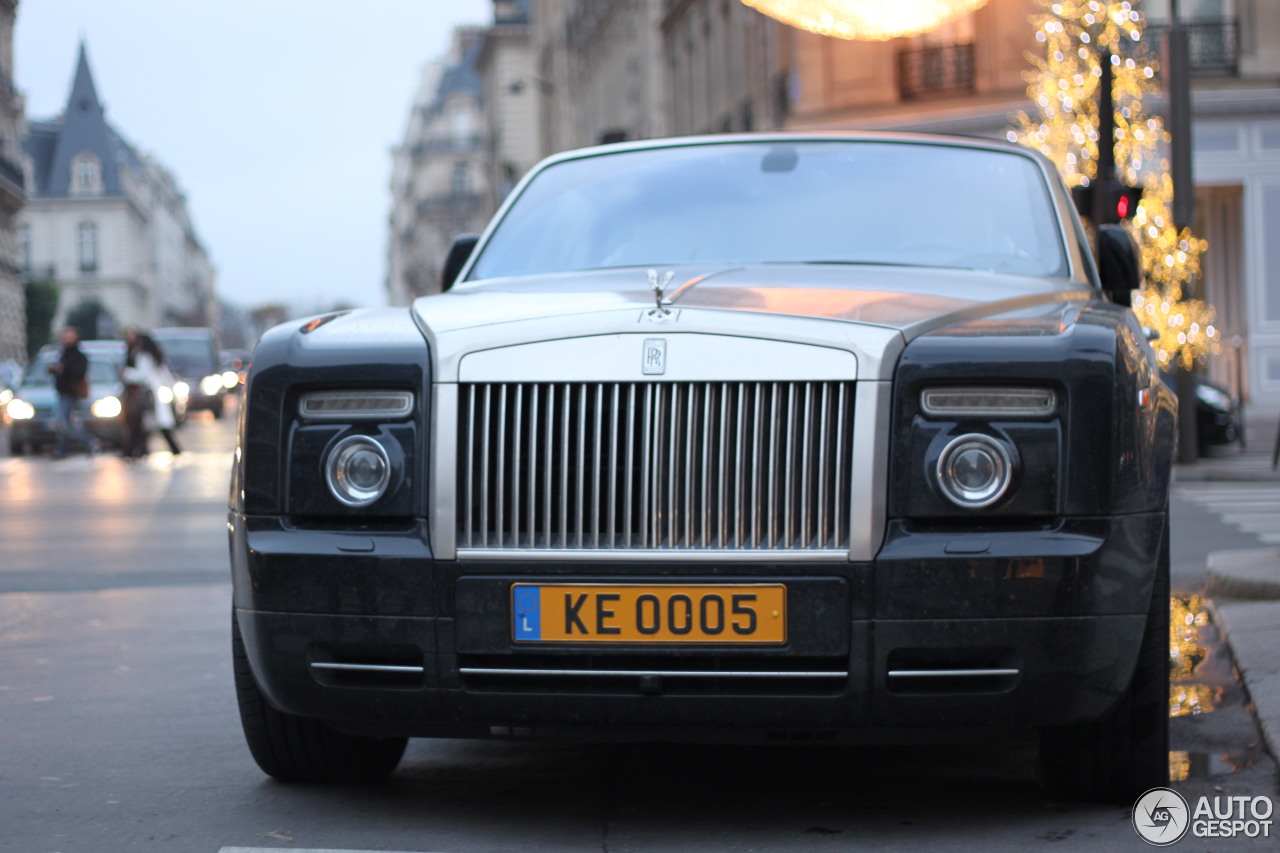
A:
442, 482
871, 413
662, 673
951, 673
500, 492
369, 667
691, 554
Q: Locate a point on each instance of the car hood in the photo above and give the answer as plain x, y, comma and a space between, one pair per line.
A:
911, 300
870, 311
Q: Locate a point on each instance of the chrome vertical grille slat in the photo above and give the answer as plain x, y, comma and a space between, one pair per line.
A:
655, 466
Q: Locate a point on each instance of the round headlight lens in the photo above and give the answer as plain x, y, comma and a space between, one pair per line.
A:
974, 471
358, 470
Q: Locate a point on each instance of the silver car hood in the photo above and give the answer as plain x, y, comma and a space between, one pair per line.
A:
870, 311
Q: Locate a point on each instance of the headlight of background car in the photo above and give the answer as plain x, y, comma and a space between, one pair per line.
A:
5, 396
181, 390
20, 410
1214, 397
164, 394
211, 384
106, 407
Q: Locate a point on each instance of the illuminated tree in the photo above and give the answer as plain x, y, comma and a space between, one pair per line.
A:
1063, 86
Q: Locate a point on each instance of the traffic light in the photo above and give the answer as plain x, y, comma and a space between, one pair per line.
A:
1126, 199
1121, 201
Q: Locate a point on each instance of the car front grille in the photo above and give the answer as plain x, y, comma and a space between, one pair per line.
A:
679, 466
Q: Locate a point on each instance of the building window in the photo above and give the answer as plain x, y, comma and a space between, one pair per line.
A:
86, 174
88, 247
461, 180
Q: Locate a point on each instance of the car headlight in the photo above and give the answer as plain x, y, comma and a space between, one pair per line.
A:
230, 379
974, 470
357, 470
1214, 397
164, 394
5, 396
211, 384
181, 390
106, 407
20, 410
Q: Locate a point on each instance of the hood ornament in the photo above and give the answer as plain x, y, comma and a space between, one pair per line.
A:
660, 311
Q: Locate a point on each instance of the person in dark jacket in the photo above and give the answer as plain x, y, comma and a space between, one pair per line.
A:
70, 376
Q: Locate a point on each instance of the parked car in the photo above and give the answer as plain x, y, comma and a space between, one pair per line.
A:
1217, 415
32, 412
192, 355
754, 438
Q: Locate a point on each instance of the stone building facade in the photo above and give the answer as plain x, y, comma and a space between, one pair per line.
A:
600, 65
109, 223
723, 67
13, 335
512, 96
439, 172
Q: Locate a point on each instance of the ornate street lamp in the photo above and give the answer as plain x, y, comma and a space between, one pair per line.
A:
876, 20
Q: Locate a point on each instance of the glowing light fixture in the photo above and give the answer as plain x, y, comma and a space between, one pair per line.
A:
875, 20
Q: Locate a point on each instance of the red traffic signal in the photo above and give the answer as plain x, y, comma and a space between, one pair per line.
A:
1121, 201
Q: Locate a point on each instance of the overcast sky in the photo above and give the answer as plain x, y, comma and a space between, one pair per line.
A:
276, 116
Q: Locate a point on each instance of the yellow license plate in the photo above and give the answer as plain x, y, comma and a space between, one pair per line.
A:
649, 613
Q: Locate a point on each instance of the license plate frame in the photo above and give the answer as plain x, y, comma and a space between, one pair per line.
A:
745, 614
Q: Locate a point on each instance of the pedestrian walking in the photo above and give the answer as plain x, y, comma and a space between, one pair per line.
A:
71, 381
145, 373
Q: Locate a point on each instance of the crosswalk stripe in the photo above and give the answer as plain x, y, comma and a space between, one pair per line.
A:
1248, 507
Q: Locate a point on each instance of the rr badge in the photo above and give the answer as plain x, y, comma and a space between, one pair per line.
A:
654, 362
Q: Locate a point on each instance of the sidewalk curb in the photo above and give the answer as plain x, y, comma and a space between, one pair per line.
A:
1248, 573
1251, 630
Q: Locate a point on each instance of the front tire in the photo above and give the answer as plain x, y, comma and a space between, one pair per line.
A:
1117, 758
301, 749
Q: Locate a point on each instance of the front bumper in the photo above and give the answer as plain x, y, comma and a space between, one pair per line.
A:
1045, 624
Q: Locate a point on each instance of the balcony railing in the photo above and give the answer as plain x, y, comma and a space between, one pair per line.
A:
931, 71
1214, 45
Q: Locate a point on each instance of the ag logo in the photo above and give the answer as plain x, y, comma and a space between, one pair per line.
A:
654, 357
1161, 817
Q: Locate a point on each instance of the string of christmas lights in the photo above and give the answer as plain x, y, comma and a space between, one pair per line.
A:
1063, 85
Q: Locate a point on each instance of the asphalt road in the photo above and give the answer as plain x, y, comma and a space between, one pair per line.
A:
118, 726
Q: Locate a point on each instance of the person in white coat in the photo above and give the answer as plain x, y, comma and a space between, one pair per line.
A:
145, 373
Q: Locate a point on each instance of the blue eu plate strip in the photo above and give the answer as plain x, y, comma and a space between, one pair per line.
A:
526, 613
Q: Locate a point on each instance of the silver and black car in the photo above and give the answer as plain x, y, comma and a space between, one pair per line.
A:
760, 438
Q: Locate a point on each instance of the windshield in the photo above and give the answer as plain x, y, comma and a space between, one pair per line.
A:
188, 355
101, 370
782, 202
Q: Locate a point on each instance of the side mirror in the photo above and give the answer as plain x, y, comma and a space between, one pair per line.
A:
1119, 263
457, 258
